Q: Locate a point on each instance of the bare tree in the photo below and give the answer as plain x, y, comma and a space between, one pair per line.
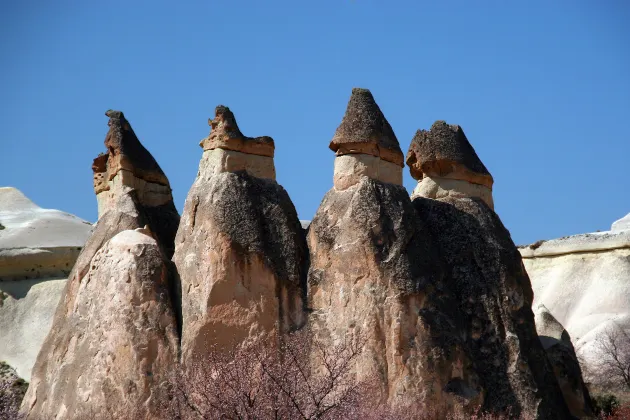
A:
613, 357
289, 377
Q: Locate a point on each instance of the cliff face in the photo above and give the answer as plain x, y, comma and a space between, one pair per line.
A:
240, 249
113, 335
584, 281
485, 276
374, 274
432, 285
38, 248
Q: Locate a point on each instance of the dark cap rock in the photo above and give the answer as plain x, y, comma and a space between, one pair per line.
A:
364, 129
225, 134
444, 151
126, 152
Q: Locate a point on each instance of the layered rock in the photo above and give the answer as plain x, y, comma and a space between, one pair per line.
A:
365, 144
240, 249
584, 280
114, 334
374, 276
38, 248
445, 164
486, 279
127, 165
560, 352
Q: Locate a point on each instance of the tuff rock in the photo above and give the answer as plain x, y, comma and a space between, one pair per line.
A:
374, 276
38, 248
240, 248
445, 164
560, 352
114, 333
485, 277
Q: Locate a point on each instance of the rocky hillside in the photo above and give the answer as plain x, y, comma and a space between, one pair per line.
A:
431, 286
38, 248
584, 281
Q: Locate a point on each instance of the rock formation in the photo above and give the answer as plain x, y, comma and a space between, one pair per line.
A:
584, 281
374, 274
114, 336
445, 164
484, 275
560, 352
38, 248
240, 249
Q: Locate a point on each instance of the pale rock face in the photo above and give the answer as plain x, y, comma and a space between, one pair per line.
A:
240, 248
373, 275
560, 352
492, 298
216, 161
584, 281
349, 169
148, 193
38, 248
621, 224
118, 340
437, 187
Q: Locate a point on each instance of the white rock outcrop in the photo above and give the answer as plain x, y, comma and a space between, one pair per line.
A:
584, 281
38, 248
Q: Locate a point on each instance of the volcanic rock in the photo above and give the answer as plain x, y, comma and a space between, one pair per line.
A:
374, 276
560, 352
114, 333
584, 280
127, 165
240, 249
38, 248
485, 277
445, 164
365, 144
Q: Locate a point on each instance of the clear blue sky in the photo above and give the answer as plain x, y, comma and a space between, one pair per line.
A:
541, 88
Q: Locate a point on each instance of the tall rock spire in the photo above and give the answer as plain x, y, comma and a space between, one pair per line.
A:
365, 144
375, 276
445, 163
116, 323
484, 275
240, 250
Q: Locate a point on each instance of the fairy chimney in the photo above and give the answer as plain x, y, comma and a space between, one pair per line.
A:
365, 144
127, 165
226, 149
445, 164
240, 249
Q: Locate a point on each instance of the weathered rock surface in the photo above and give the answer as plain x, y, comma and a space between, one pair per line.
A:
38, 248
621, 224
374, 275
560, 352
117, 342
128, 166
114, 333
584, 281
485, 277
240, 249
445, 164
365, 130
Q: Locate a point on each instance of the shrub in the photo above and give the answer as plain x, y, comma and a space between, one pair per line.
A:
605, 404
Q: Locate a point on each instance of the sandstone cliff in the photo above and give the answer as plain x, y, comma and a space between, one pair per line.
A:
584, 281
240, 249
113, 336
374, 274
38, 248
485, 276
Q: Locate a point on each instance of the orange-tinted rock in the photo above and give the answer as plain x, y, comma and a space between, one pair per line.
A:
226, 135
444, 151
364, 129
240, 253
